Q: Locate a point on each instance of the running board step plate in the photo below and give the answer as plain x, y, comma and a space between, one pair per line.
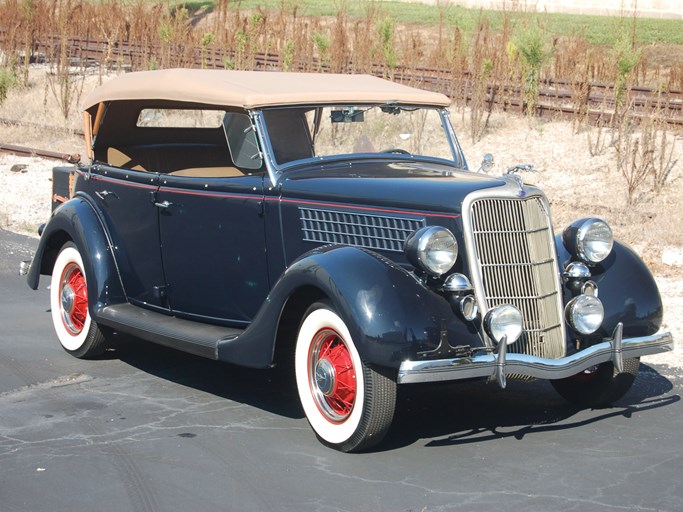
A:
192, 337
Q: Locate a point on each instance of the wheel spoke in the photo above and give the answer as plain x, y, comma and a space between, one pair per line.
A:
75, 307
331, 357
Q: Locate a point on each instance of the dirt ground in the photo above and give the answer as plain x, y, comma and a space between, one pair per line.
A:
577, 183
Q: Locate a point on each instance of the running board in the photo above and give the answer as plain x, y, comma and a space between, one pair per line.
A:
192, 337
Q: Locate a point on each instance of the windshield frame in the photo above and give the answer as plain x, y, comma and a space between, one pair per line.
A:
277, 170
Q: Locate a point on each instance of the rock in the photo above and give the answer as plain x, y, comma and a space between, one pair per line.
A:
19, 168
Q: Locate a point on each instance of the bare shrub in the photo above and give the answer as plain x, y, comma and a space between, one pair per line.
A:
340, 48
65, 79
483, 68
599, 138
634, 155
644, 151
663, 162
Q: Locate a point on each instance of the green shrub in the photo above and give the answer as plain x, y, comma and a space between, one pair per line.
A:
8, 79
534, 53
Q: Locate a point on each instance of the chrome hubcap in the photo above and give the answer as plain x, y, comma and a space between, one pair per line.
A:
325, 377
67, 299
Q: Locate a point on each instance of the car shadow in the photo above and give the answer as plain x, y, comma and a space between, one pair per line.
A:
272, 390
475, 412
445, 414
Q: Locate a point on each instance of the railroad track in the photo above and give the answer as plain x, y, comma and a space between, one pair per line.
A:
11, 149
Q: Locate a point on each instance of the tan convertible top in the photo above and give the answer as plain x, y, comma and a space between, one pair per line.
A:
252, 89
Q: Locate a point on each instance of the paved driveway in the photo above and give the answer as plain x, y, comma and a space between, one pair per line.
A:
149, 429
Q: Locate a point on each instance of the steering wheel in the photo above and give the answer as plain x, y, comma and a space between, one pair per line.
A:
396, 150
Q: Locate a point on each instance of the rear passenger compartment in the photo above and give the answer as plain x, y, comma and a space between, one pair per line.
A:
200, 160
181, 145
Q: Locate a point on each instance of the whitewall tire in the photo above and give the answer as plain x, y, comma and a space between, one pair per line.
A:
78, 334
348, 403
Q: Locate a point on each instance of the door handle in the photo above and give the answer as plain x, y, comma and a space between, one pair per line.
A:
163, 204
106, 193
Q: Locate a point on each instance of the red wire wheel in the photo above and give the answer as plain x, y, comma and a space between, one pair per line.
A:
332, 375
73, 299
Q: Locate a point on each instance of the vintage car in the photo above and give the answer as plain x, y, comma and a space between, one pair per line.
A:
331, 223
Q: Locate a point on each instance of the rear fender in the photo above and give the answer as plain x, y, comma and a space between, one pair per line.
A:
76, 221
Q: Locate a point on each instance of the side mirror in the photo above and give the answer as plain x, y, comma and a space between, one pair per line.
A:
486, 163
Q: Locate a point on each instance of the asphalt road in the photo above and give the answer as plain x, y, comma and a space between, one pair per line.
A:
149, 429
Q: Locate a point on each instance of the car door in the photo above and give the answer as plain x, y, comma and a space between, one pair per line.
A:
125, 198
214, 252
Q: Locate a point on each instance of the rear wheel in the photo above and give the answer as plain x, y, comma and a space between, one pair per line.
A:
348, 402
78, 334
598, 386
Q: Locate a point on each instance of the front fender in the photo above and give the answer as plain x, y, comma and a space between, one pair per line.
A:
390, 314
627, 290
77, 221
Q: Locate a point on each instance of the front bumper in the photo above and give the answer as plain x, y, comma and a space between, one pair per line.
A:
501, 363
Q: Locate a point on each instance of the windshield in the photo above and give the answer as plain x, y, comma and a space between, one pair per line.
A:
301, 133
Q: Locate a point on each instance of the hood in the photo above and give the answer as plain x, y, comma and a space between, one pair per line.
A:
413, 185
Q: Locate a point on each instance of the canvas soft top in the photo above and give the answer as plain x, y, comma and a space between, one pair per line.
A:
254, 89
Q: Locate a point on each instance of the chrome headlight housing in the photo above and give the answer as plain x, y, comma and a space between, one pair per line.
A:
433, 249
590, 240
585, 314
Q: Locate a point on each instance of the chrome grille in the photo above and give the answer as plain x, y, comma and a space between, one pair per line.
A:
358, 229
515, 264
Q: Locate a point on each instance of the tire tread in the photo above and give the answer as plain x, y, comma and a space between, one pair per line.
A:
604, 387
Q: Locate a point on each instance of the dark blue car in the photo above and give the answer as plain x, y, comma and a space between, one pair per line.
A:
331, 223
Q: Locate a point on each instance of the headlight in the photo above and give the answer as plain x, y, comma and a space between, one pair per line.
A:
504, 321
585, 314
589, 240
433, 249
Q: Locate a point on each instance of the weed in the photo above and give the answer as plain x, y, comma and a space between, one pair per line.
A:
8, 79
386, 29
206, 41
534, 53
626, 58
322, 45
287, 57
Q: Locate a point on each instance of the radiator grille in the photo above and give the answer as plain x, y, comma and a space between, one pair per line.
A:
357, 229
515, 255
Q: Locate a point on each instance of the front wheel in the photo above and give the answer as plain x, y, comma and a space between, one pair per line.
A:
598, 386
78, 334
348, 402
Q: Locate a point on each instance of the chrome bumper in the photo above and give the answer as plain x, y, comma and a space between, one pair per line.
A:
501, 363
